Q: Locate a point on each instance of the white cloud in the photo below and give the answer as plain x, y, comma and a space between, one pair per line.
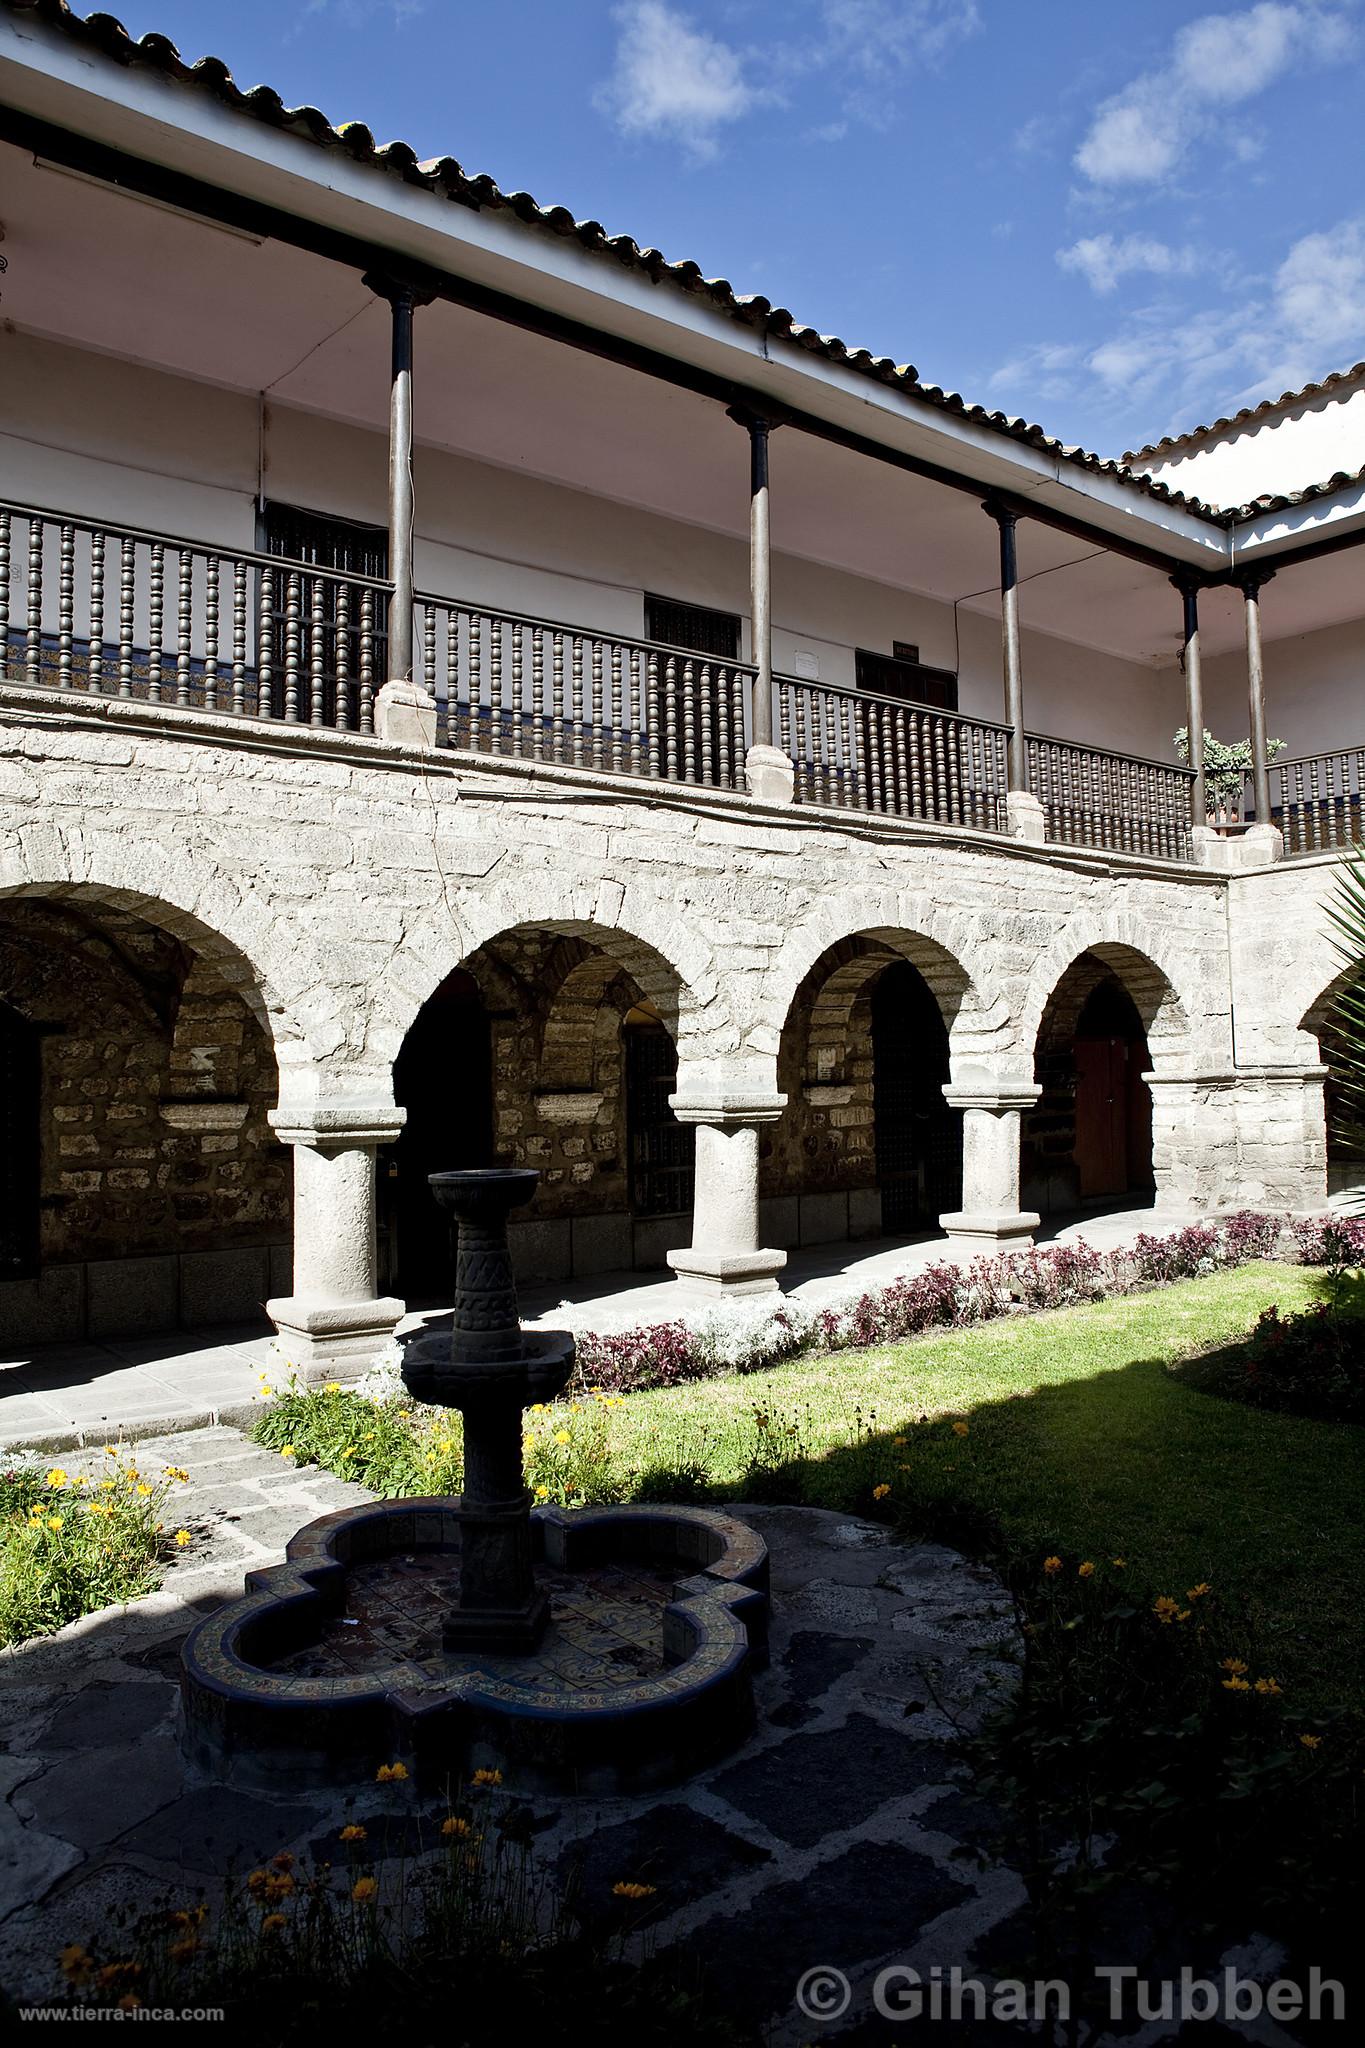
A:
867, 48
1181, 364
1140, 135
1103, 259
671, 79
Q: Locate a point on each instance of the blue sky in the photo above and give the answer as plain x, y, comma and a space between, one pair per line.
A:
1119, 221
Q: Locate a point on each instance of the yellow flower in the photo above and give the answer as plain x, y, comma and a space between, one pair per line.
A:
562, 1436
1119, 1563
1197, 1592
280, 1886
56, 1477
1235, 1684
1311, 1741
1164, 1608
880, 1492
75, 1962
1086, 1570
390, 1774
273, 1922
181, 1951
143, 1488
487, 1778
960, 1429
111, 1450
177, 1472
353, 1834
256, 1882
79, 1481
332, 1387
286, 1450
363, 1890
460, 1829
1234, 1665
542, 1493
898, 1443
1052, 1565
1269, 1687
182, 1537
54, 1521
634, 1891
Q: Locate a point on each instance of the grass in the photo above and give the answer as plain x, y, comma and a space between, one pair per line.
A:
1081, 1441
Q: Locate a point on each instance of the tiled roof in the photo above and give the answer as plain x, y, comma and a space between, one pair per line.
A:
1171, 442
445, 176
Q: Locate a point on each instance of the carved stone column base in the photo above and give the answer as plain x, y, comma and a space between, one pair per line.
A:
1024, 816
331, 1340
990, 1230
405, 714
770, 775
728, 1274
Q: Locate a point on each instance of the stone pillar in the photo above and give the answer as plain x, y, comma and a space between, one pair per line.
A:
333, 1324
1281, 1123
1023, 811
990, 1219
1264, 832
725, 1257
767, 770
1194, 1139
404, 711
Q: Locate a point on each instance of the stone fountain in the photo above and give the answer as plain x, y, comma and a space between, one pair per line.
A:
592, 1649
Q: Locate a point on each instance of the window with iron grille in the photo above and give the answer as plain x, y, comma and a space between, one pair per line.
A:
917, 682
662, 1150
693, 626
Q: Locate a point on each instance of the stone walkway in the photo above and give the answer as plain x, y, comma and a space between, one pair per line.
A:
58, 1397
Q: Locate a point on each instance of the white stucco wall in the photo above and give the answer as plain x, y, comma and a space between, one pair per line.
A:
1278, 452
102, 437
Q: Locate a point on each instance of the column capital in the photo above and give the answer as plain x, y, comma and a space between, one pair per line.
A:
339, 1127
1001, 511
1251, 581
411, 288
736, 1106
756, 416
995, 1096
1189, 582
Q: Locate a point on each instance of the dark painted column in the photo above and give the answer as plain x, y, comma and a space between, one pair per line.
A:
400, 715
1250, 584
1188, 586
1005, 518
768, 772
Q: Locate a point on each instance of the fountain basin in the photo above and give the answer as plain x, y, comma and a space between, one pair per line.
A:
337, 1661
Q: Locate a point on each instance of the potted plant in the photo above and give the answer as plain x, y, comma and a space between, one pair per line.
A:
1226, 768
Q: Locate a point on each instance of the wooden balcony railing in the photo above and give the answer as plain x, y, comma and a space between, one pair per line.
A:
881, 754
97, 610
1092, 797
1316, 800
542, 691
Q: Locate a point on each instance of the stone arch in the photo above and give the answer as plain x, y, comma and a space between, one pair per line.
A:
1168, 1019
671, 963
1343, 1111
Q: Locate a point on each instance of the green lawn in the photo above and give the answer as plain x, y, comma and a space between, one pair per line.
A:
1080, 1441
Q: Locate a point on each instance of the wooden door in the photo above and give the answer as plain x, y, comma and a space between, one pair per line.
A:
1102, 1116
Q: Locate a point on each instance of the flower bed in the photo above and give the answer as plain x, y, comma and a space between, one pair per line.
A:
740, 1339
70, 1544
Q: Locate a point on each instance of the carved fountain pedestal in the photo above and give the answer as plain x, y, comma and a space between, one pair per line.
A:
593, 1649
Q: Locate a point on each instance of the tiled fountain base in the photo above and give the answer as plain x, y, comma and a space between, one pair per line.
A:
332, 1663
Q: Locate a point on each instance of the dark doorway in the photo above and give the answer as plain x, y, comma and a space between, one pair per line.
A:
918, 1137
662, 1150
1113, 1147
21, 1085
443, 1079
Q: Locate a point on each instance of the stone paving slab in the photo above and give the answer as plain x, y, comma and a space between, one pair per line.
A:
61, 1397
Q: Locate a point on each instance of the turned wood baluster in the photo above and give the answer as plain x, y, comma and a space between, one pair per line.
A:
596, 713
66, 588
341, 714
538, 692
211, 591
495, 685
265, 656
293, 646
184, 611
557, 698
454, 719
239, 638
517, 735
737, 726
653, 732
4, 595
687, 766
635, 709
317, 653
617, 756
704, 715
475, 677
127, 581
576, 702
94, 653
366, 684
670, 709
33, 663
156, 614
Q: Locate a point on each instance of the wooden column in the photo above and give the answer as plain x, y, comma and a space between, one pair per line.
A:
1250, 583
404, 711
1188, 587
1005, 518
768, 771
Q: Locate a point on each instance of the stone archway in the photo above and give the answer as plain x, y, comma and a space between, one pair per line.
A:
1088, 1139
1343, 1109
868, 1144
156, 1194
